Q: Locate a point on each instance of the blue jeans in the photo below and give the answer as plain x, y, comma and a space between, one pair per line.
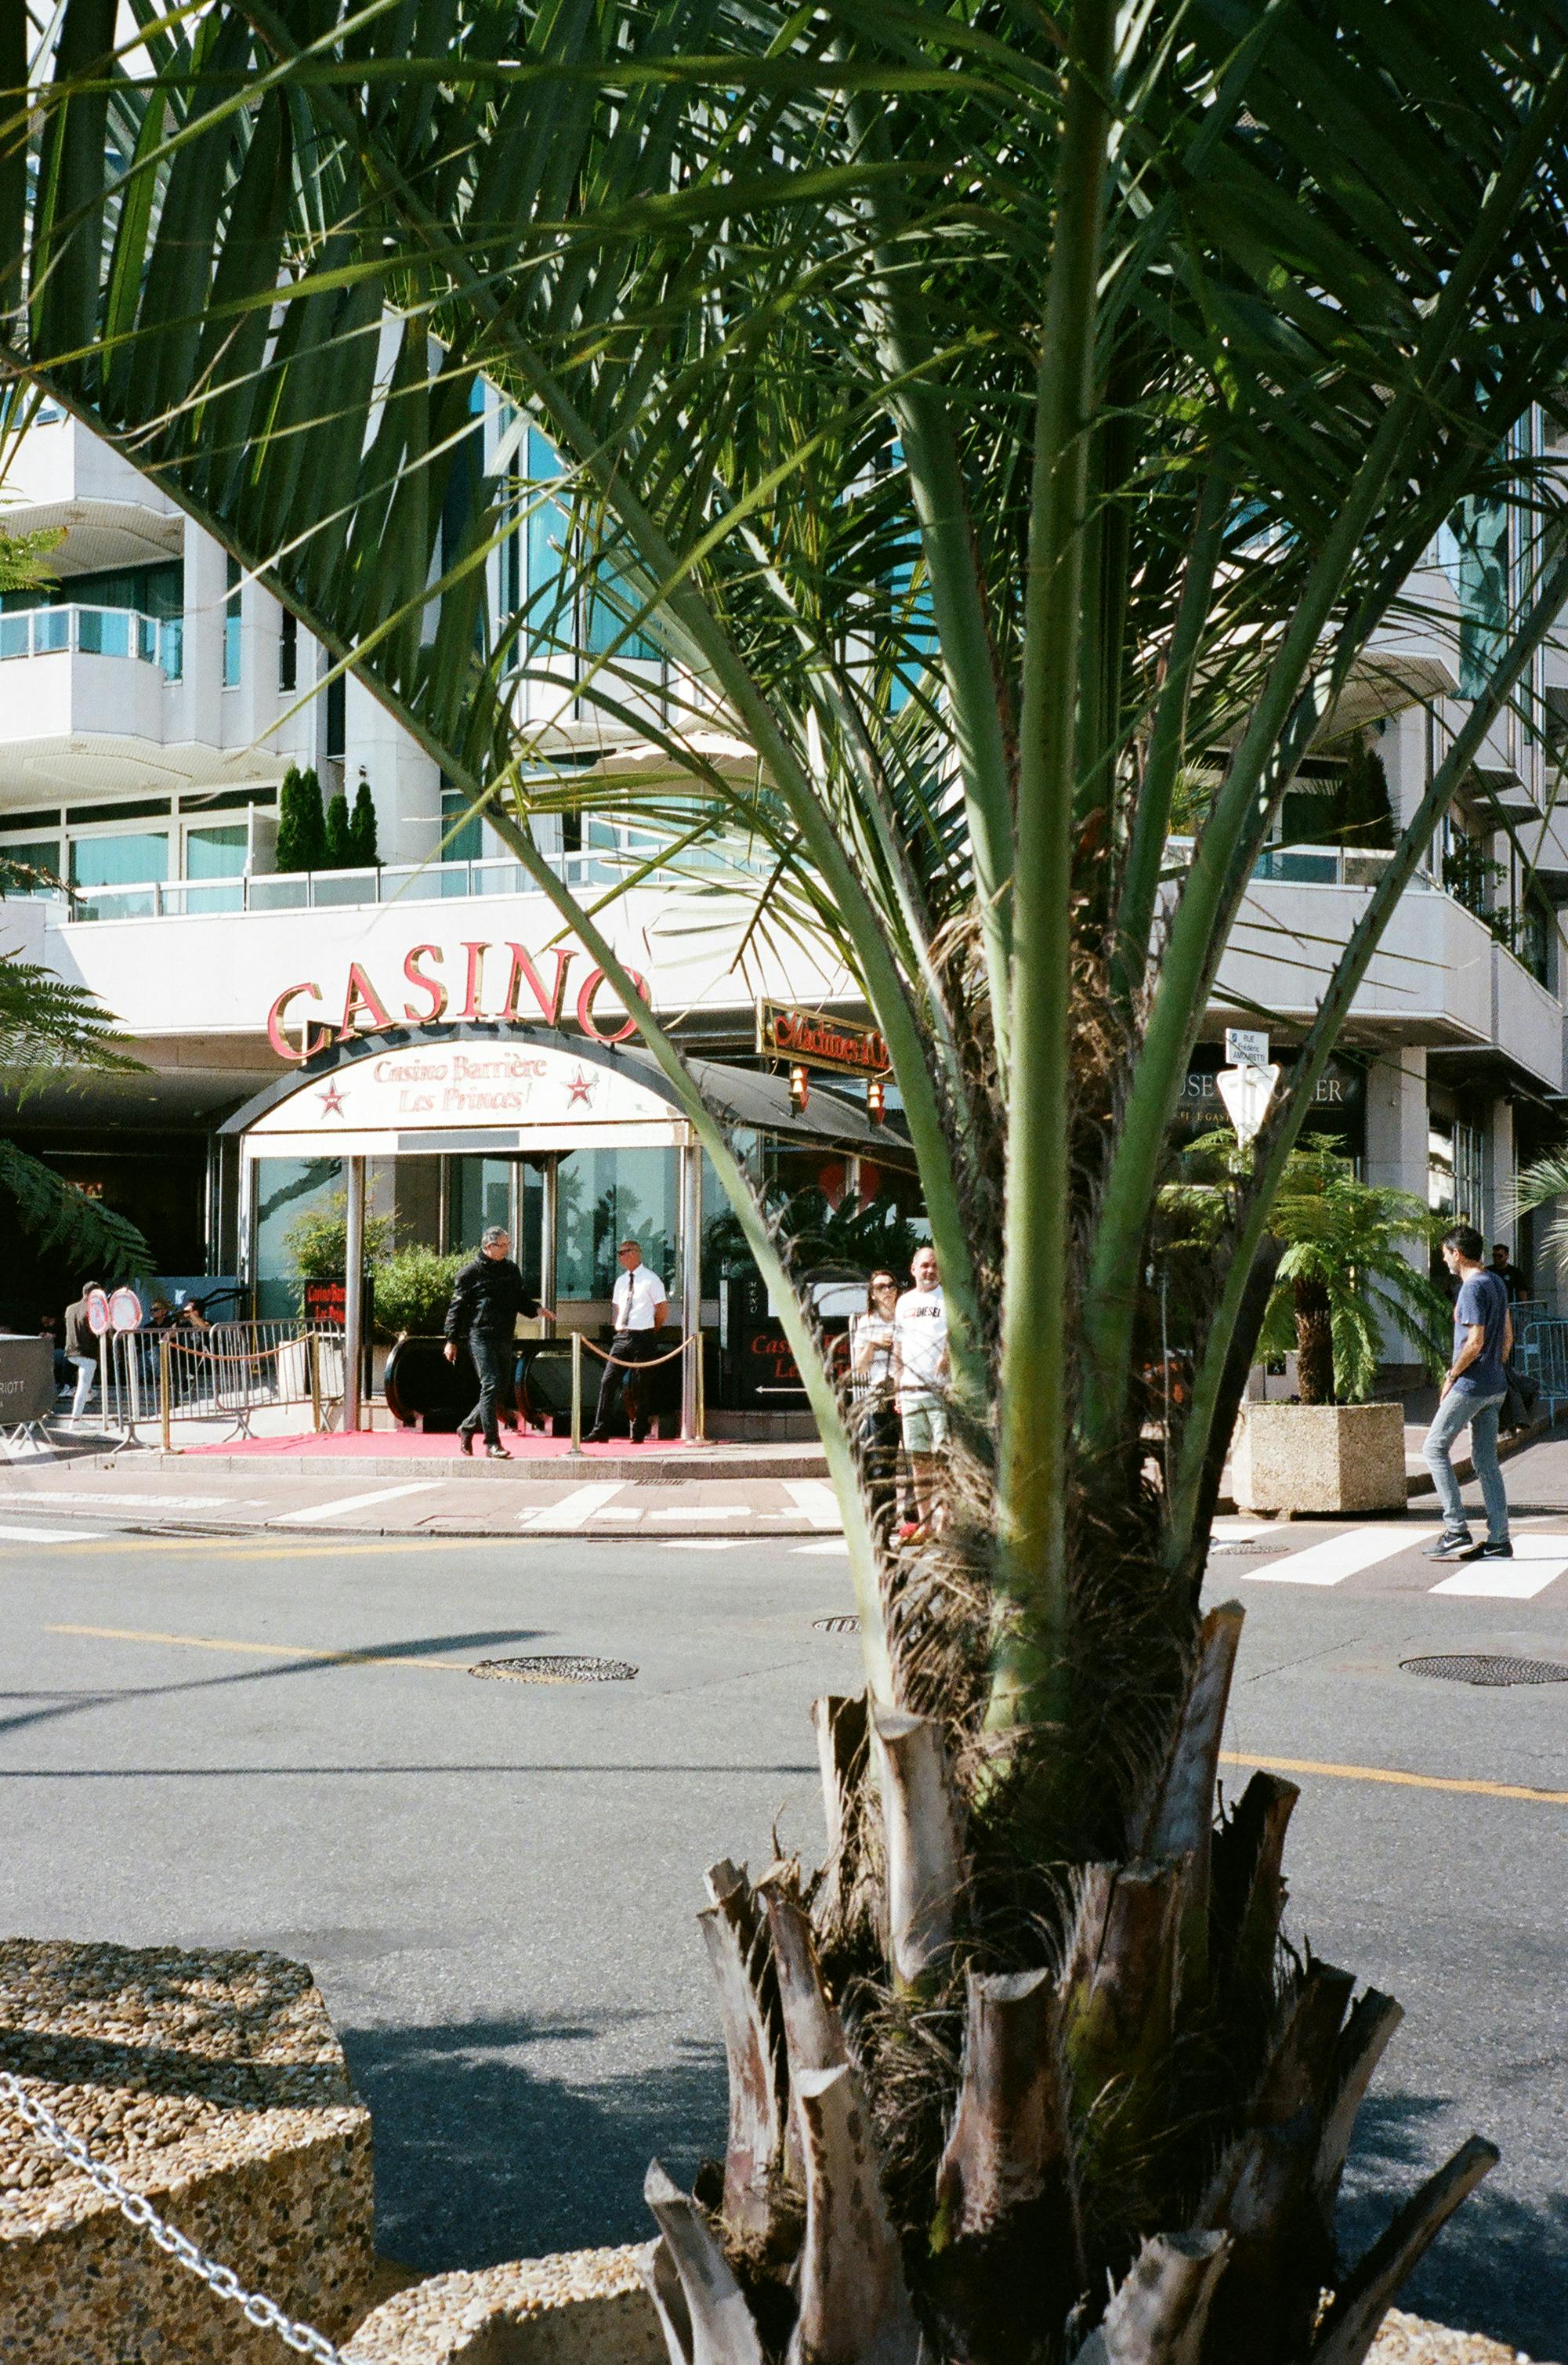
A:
493, 1360
1481, 1413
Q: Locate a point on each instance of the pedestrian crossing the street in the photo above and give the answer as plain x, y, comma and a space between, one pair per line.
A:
1540, 1558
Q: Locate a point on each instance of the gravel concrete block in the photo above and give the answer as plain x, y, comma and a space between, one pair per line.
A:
213, 2083
580, 2307
1320, 1458
1408, 2340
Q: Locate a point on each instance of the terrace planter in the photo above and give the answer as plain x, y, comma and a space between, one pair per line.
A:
1320, 1458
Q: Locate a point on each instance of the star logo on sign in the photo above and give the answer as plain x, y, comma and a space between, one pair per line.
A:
578, 1088
331, 1102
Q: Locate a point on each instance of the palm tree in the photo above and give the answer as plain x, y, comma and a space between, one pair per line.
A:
1342, 1277
1537, 1186
994, 414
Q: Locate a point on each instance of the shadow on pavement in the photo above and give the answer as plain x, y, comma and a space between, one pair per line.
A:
1500, 2266
480, 2158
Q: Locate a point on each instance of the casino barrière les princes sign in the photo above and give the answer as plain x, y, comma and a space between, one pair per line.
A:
503, 982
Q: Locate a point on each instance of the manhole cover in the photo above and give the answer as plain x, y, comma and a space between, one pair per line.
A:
1483, 1668
565, 1669
1215, 1550
849, 1624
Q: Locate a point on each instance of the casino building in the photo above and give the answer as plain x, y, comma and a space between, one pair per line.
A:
151, 703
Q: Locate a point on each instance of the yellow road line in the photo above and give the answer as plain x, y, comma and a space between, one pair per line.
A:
264, 1650
1406, 1781
219, 1549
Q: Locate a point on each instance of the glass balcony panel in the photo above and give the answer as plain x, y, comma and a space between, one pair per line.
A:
103, 632
172, 647
199, 895
51, 630
114, 903
16, 636
286, 890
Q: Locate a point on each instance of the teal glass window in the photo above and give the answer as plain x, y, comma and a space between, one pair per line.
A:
131, 858
603, 1197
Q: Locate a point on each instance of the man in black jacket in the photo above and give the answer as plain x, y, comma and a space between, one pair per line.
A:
487, 1298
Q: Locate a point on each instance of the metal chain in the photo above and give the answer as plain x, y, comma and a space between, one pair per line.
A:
137, 2211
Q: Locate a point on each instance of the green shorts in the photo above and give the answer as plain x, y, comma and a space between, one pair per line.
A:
925, 1422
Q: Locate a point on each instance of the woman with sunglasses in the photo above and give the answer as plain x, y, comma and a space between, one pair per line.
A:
871, 1365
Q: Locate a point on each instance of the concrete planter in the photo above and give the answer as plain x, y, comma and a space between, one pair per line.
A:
1320, 1458
579, 2307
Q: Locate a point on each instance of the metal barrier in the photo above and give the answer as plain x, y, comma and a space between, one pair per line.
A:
1541, 1350
231, 1372
699, 1433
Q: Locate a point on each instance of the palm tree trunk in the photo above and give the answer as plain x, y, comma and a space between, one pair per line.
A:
1314, 1344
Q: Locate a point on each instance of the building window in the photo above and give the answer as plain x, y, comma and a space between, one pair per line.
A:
337, 718
288, 651
33, 854
232, 627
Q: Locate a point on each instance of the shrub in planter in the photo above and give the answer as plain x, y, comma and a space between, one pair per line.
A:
413, 1289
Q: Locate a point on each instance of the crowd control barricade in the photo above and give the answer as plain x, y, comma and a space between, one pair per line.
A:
1541, 1350
151, 1379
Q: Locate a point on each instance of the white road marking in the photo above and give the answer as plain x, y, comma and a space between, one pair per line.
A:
353, 1503
816, 1500
708, 1511
1519, 1579
573, 1510
40, 1498
1233, 1530
11, 1535
627, 1515
835, 1546
1338, 1557
698, 1544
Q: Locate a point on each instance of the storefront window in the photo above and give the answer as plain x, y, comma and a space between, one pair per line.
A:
479, 1195
606, 1196
287, 1188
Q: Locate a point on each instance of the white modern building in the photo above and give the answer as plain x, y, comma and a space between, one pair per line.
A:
151, 703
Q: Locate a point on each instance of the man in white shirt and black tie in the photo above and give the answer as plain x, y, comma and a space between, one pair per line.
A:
639, 1309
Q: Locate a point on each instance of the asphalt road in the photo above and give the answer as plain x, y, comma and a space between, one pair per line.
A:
495, 1882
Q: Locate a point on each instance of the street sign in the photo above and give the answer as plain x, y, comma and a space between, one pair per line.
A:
124, 1310
99, 1318
1247, 1092
1245, 1047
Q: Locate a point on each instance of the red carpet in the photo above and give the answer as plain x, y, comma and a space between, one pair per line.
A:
415, 1445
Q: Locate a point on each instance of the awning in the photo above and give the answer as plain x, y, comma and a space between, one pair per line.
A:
474, 1087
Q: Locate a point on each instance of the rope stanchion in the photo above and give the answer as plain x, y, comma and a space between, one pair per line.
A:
164, 1389
576, 1391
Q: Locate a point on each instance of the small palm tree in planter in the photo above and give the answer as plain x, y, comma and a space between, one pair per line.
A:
1342, 1281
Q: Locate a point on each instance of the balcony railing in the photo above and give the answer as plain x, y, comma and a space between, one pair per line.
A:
1312, 866
95, 633
308, 890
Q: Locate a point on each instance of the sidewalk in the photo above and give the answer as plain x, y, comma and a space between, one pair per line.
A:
412, 1485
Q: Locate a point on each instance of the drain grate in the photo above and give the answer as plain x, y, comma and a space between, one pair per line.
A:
844, 1624
1487, 1668
562, 1669
1215, 1550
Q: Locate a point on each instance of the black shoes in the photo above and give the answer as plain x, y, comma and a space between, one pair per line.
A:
638, 1432
1495, 1548
466, 1439
595, 1437
1454, 1543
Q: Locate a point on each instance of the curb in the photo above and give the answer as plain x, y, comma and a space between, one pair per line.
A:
668, 1470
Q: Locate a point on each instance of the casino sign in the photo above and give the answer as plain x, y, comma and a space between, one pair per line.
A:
503, 984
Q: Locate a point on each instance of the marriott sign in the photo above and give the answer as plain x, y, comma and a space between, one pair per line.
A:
503, 982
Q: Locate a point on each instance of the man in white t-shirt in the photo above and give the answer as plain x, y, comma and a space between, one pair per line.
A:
640, 1304
919, 1375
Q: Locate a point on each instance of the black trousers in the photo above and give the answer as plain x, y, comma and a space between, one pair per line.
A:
631, 1346
493, 1359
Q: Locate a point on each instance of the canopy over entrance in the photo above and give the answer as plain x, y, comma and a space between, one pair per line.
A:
493, 1091
446, 1090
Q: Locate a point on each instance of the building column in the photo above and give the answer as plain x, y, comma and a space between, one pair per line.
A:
1500, 1174
353, 1291
690, 1283
1397, 1156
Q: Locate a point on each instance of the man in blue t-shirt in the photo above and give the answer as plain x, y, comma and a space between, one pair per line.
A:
1472, 1394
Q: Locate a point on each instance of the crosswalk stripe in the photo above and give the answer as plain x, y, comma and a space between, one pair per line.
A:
1338, 1557
839, 1550
573, 1510
1519, 1579
13, 1535
816, 1498
698, 1544
351, 1503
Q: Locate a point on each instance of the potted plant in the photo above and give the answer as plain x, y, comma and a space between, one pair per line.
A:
1342, 1280
413, 1290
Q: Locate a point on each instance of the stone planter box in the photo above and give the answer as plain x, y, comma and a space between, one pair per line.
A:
579, 2307
1320, 1458
213, 2083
